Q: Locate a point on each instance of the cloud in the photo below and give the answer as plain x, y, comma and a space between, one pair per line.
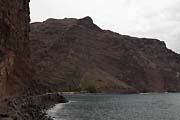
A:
142, 18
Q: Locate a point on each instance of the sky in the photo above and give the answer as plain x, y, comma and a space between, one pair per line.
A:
158, 19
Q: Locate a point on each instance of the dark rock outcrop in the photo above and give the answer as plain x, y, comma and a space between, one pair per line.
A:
31, 107
71, 54
15, 67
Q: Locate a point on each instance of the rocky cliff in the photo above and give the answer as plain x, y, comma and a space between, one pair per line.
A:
15, 70
75, 54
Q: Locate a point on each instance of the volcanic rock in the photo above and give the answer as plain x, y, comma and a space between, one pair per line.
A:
15, 67
75, 54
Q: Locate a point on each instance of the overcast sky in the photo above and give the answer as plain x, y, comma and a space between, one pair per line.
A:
141, 18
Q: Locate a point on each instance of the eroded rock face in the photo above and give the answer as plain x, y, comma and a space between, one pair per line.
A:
14, 46
75, 53
14, 24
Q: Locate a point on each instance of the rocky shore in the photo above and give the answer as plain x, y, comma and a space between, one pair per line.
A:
29, 108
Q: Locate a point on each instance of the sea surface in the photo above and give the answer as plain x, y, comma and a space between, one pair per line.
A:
152, 106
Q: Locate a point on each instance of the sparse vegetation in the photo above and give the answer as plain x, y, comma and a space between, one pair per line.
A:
91, 89
71, 90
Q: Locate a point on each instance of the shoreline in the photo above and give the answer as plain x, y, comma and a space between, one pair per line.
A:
52, 112
30, 107
120, 93
37, 107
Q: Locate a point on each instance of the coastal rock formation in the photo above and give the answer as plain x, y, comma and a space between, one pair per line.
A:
15, 68
75, 54
31, 107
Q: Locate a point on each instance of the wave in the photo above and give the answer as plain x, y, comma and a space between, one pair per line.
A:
52, 112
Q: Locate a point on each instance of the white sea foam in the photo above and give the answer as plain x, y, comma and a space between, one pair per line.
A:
52, 112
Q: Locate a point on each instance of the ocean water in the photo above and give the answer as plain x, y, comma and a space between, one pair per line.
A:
119, 107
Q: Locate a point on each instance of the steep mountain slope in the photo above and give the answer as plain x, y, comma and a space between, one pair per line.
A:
76, 54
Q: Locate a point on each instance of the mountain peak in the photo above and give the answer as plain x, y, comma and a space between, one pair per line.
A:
87, 19
88, 22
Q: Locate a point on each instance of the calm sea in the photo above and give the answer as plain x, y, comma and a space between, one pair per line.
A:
119, 107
